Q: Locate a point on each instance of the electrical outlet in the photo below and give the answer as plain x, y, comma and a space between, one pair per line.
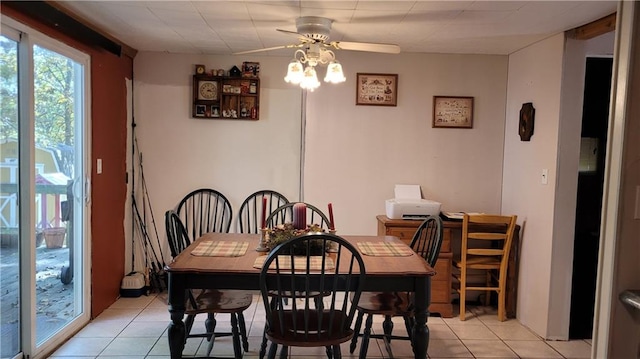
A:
545, 176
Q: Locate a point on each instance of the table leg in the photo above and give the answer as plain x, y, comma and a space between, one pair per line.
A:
176, 332
420, 328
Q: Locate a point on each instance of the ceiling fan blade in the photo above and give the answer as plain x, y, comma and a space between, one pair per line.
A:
267, 49
366, 46
300, 36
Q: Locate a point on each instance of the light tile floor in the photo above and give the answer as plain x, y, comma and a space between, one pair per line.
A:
135, 328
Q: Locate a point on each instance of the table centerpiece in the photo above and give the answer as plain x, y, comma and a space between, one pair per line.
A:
283, 232
272, 237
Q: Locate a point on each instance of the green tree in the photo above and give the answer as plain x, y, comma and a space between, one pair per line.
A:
8, 88
54, 104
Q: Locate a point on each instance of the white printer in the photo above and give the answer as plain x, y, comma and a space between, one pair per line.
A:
409, 204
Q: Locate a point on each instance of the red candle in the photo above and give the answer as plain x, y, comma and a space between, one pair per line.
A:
264, 212
299, 216
331, 223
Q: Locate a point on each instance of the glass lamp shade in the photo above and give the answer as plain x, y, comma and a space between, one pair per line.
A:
310, 81
334, 73
294, 72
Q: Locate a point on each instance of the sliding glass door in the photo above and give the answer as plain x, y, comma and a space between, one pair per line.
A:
43, 207
10, 278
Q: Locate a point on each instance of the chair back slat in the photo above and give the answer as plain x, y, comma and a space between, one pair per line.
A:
203, 211
176, 233
487, 236
250, 213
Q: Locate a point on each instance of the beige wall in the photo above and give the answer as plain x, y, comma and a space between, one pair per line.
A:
237, 158
356, 154
551, 75
535, 75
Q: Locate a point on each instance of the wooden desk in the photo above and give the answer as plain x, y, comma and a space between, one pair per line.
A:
198, 272
441, 283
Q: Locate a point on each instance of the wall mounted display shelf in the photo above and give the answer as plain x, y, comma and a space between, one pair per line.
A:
228, 98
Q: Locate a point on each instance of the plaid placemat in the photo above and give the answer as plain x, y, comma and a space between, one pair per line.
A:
299, 262
384, 249
221, 249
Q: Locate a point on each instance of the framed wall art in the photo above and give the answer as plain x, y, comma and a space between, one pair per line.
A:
452, 112
377, 89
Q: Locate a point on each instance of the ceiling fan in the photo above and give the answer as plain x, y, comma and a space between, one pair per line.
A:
313, 32
314, 49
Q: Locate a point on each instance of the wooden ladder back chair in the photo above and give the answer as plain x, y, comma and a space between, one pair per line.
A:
307, 321
203, 211
486, 243
250, 211
211, 302
284, 214
426, 242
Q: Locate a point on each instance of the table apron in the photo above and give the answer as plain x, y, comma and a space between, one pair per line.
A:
192, 280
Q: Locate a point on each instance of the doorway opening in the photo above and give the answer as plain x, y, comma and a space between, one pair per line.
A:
595, 115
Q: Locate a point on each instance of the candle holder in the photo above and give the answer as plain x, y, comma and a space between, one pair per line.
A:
263, 240
333, 247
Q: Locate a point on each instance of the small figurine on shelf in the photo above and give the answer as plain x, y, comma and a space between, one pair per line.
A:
243, 111
234, 113
254, 113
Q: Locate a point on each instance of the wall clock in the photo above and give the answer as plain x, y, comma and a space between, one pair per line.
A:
208, 90
525, 125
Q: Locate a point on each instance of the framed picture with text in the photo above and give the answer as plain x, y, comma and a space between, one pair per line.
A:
452, 112
377, 89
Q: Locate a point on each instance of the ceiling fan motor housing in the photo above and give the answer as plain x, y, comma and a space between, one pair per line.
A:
314, 27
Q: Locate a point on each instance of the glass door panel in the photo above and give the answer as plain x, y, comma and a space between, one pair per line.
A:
10, 320
59, 204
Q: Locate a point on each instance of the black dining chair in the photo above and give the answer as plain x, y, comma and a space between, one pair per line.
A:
426, 242
209, 301
307, 321
284, 214
250, 213
203, 211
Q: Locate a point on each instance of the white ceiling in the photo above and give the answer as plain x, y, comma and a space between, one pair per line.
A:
224, 27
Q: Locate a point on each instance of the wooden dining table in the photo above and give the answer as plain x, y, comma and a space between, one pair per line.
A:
384, 273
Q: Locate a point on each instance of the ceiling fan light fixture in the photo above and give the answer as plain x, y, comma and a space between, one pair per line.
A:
295, 75
334, 73
314, 50
310, 81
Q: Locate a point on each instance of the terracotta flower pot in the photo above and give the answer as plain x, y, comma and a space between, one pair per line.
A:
54, 237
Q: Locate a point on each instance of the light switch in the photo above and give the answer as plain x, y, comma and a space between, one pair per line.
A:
545, 176
99, 166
